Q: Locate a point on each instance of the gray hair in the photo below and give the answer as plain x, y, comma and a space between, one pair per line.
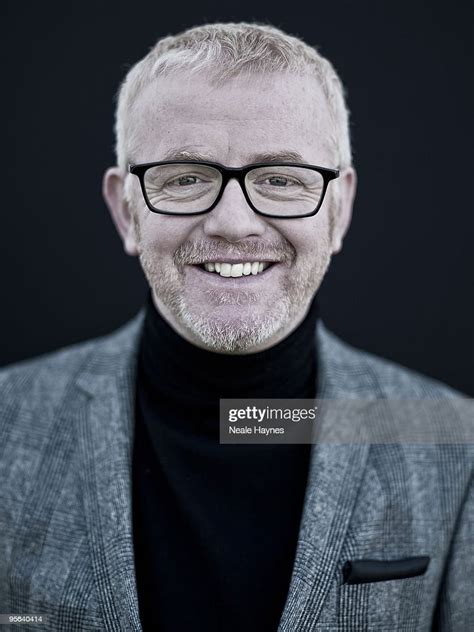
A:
228, 50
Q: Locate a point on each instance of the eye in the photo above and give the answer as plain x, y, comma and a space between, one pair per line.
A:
278, 180
184, 181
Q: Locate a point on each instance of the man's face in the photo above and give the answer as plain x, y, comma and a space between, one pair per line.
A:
249, 119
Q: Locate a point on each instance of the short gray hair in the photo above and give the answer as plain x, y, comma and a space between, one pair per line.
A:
228, 50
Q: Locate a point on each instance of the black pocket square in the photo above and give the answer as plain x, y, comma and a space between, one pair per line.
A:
363, 571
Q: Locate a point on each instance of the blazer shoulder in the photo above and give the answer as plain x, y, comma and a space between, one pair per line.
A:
45, 378
365, 371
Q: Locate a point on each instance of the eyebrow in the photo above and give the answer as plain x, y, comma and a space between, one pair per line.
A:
267, 156
277, 156
184, 154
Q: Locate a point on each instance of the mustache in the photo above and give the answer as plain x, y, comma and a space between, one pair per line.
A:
193, 253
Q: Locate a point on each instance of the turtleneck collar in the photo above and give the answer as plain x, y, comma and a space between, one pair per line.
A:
176, 368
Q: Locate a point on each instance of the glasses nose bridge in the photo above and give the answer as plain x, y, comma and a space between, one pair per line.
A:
234, 173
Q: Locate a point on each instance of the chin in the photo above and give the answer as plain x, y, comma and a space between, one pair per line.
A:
234, 334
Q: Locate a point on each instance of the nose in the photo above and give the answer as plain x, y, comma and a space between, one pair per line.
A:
232, 218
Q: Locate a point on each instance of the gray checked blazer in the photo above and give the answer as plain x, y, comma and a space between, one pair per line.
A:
386, 539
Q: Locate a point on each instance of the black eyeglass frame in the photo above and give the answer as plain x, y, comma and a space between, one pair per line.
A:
227, 173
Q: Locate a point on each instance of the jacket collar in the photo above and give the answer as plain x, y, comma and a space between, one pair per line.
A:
105, 436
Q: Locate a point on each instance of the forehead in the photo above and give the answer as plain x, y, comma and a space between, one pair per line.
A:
247, 115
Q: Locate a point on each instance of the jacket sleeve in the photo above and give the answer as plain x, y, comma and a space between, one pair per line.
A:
455, 607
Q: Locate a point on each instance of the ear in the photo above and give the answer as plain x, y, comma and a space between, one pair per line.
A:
347, 186
113, 192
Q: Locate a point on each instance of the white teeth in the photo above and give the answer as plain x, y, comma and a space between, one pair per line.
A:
236, 269
226, 269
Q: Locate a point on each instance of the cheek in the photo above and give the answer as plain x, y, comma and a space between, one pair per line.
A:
308, 236
162, 234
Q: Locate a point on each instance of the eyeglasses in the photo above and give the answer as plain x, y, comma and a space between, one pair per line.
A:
187, 187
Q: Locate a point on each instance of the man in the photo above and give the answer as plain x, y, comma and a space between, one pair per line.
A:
121, 509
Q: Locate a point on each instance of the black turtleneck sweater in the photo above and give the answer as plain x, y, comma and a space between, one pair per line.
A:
215, 526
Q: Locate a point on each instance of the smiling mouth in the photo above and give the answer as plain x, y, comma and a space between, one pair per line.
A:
236, 270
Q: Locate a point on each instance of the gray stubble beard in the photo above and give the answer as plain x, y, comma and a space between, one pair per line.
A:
298, 289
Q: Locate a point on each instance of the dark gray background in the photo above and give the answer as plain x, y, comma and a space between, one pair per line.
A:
402, 287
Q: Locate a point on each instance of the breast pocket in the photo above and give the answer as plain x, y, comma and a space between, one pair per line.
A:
384, 595
369, 571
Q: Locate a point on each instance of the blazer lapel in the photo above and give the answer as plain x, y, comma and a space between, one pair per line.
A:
335, 475
105, 436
